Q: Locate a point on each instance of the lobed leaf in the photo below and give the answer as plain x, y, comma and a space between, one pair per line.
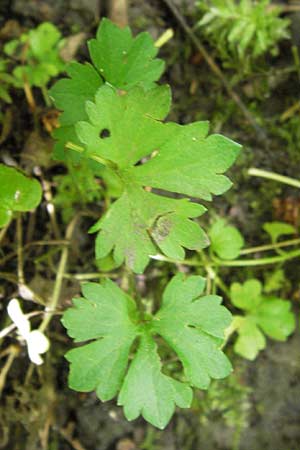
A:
185, 162
194, 328
148, 392
122, 60
137, 66
269, 315
71, 95
108, 318
103, 314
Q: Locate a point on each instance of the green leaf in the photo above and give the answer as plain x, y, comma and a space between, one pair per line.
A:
275, 281
246, 296
250, 340
132, 120
38, 53
226, 241
135, 212
186, 161
277, 229
264, 314
119, 59
122, 60
43, 39
148, 392
71, 95
108, 318
104, 315
18, 193
194, 328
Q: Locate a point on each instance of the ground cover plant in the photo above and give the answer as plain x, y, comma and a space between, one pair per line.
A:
116, 230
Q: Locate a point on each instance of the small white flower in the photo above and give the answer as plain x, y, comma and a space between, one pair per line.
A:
37, 342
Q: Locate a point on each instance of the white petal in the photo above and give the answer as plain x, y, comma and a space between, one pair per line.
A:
38, 341
34, 356
16, 314
25, 292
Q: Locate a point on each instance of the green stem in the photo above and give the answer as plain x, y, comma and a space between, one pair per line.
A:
212, 274
185, 262
89, 276
274, 176
46, 96
99, 159
264, 248
235, 263
257, 262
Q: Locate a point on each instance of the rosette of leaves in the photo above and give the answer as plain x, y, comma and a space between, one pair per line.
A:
191, 324
243, 29
263, 315
18, 193
38, 54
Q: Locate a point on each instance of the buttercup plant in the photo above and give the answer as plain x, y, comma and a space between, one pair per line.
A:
113, 114
150, 175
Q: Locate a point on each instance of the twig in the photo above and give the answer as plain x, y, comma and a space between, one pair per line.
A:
50, 207
21, 279
118, 12
3, 231
32, 244
72, 441
10, 328
4, 371
60, 276
261, 134
287, 114
90, 276
29, 95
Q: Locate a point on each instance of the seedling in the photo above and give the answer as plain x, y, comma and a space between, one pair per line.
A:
37, 54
